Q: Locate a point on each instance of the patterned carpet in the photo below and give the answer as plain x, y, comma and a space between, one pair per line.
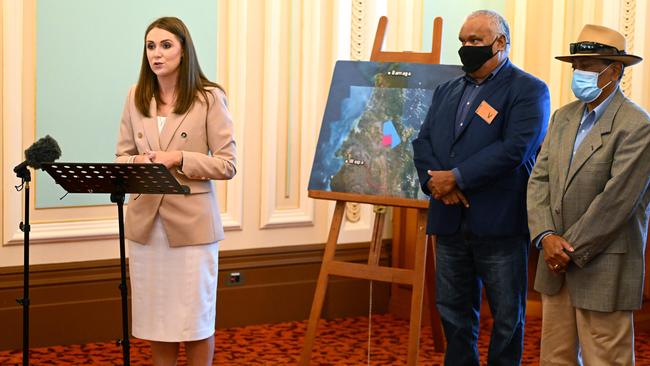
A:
339, 342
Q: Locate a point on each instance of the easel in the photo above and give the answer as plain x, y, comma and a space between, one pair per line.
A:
372, 271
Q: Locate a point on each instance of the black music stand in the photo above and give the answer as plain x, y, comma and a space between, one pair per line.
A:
117, 180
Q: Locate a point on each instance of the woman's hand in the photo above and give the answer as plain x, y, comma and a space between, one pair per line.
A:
141, 159
169, 159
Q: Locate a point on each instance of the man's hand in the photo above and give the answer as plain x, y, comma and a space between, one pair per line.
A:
554, 253
442, 182
455, 197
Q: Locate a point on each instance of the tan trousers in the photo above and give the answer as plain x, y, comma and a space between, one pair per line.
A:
571, 336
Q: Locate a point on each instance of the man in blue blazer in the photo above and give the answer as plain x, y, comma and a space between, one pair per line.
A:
474, 154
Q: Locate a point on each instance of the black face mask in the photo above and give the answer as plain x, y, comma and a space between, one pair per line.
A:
473, 57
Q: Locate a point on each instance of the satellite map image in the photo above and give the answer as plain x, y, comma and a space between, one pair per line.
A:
373, 112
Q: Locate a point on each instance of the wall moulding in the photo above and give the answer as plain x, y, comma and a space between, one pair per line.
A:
87, 223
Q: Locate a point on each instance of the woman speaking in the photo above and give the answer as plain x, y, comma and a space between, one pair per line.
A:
177, 117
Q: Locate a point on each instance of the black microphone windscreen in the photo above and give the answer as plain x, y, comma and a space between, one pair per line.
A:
45, 150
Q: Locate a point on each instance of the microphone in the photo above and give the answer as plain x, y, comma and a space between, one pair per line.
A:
45, 150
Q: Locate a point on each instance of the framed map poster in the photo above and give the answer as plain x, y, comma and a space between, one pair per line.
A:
373, 113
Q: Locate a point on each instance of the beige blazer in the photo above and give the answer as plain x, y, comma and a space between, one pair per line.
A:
598, 201
205, 136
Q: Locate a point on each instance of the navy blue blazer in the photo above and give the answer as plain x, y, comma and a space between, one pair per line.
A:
494, 160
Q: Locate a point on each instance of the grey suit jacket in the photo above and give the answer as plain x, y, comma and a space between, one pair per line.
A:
598, 201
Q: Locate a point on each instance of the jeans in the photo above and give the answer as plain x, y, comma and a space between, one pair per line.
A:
466, 263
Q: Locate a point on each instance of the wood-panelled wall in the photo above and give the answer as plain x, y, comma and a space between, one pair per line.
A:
79, 302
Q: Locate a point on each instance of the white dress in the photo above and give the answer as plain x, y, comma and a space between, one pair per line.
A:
173, 289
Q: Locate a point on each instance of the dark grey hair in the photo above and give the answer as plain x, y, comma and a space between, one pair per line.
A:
499, 24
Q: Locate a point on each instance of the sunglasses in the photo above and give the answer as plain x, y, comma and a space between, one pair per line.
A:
594, 47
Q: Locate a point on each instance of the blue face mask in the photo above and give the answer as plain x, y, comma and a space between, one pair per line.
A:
585, 85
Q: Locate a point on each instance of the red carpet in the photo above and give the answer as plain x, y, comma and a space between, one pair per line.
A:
339, 342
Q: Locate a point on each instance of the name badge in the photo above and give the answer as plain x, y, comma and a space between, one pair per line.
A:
486, 112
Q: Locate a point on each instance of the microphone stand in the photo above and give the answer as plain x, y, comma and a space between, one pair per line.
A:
26, 178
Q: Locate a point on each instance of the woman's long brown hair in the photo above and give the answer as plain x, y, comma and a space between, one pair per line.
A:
190, 77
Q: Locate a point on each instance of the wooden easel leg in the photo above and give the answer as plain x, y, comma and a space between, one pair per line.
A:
321, 284
377, 231
436, 325
418, 289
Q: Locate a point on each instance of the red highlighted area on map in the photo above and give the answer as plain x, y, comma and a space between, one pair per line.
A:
391, 138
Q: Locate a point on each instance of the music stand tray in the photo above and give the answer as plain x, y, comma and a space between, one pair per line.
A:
117, 179
143, 178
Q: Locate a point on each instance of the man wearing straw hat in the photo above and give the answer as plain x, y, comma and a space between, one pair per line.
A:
588, 203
